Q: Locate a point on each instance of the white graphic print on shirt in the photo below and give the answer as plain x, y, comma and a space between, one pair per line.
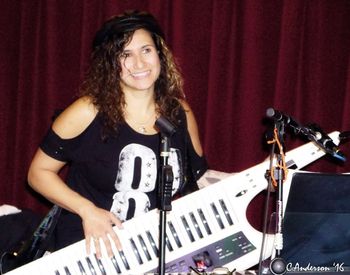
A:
137, 174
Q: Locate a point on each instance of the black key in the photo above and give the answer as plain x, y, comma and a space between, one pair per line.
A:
153, 244
136, 251
144, 247
204, 221
168, 244
175, 235
91, 266
195, 224
100, 265
81, 268
125, 262
67, 270
227, 214
187, 228
217, 215
115, 264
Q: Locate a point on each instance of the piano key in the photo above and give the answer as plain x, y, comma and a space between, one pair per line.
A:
177, 233
147, 227
126, 256
91, 268
150, 232
224, 208
80, 259
60, 264
223, 218
217, 215
204, 220
67, 271
136, 246
226, 211
187, 224
203, 204
168, 243
152, 242
155, 224
144, 247
196, 225
81, 268
102, 264
213, 219
190, 205
136, 251
174, 233
116, 265
125, 261
187, 228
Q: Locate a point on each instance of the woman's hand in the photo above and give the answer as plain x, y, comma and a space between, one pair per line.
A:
98, 226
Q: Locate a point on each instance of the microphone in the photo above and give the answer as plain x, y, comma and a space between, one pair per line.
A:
165, 126
283, 118
167, 129
325, 141
313, 132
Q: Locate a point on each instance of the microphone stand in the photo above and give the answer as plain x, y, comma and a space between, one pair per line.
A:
165, 186
314, 133
278, 265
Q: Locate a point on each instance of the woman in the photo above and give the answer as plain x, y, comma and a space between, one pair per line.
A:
109, 139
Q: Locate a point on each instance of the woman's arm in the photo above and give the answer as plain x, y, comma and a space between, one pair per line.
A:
192, 128
43, 177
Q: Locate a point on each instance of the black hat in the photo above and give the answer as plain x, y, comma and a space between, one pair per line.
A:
117, 26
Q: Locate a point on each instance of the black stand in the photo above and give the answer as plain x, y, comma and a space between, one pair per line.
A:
278, 265
165, 188
314, 133
165, 185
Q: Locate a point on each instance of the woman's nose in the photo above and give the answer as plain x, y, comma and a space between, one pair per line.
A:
138, 61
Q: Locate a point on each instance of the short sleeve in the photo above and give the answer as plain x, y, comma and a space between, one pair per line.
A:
195, 165
198, 164
56, 147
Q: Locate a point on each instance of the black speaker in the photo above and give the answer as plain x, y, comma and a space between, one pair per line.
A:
316, 225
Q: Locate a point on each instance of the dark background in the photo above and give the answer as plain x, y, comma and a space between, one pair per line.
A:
238, 59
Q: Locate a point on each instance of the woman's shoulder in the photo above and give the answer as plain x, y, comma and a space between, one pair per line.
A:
75, 118
187, 111
192, 127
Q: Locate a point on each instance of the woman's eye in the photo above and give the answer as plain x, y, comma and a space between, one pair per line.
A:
147, 50
125, 55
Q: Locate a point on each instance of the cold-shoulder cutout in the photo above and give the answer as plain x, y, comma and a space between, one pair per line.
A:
192, 128
75, 118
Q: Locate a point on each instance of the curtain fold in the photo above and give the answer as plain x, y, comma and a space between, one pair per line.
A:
238, 59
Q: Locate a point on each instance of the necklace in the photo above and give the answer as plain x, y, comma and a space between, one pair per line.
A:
142, 129
141, 126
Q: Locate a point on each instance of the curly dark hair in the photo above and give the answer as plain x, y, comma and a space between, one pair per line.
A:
102, 81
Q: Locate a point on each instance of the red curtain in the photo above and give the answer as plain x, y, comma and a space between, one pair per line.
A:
238, 59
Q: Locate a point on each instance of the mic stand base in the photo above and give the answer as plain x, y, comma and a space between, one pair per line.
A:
278, 266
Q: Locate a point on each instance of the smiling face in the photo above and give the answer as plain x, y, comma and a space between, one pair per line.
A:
140, 63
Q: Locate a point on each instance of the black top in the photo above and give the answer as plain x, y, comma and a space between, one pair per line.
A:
120, 173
